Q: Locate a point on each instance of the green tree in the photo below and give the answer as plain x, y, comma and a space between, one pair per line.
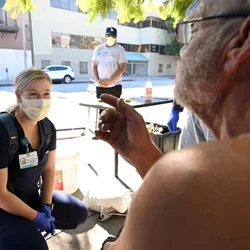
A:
173, 49
126, 9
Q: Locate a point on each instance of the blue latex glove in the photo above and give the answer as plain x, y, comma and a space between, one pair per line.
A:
47, 210
43, 222
173, 120
51, 229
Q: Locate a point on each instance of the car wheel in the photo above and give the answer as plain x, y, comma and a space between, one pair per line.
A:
67, 79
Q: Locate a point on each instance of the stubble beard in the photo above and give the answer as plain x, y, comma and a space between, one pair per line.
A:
196, 83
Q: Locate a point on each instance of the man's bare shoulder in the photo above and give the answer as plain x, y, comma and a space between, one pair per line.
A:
195, 198
211, 155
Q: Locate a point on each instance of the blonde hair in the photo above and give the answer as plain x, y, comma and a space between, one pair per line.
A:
24, 79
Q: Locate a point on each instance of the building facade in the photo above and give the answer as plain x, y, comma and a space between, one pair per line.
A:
61, 36
13, 57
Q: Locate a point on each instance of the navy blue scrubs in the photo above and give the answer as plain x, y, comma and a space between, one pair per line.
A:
69, 212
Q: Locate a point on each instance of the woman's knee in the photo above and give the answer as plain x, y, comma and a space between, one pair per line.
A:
79, 213
69, 210
83, 212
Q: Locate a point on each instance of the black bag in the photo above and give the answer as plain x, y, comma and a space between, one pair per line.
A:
13, 144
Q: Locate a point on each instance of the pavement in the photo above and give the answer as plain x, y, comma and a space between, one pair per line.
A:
66, 113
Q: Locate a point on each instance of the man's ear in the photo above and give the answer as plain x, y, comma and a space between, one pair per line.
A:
240, 50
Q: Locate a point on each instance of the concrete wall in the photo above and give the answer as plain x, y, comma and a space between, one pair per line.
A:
13, 60
156, 59
75, 56
154, 36
11, 48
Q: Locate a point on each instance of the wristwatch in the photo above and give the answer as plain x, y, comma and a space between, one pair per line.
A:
51, 206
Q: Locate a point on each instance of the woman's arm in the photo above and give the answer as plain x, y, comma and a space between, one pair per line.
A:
11, 203
49, 178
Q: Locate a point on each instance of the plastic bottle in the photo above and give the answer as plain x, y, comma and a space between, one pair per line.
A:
91, 91
148, 90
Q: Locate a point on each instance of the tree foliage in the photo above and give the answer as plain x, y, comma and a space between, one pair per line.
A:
126, 9
173, 49
17, 6
174, 8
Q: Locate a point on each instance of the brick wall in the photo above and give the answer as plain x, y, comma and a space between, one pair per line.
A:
15, 40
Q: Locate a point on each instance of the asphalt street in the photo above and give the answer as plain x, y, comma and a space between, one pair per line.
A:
82, 87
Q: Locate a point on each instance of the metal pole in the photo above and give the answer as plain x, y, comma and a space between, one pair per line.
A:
32, 44
24, 42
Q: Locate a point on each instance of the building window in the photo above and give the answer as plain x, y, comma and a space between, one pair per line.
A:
146, 23
66, 63
75, 42
131, 24
145, 48
56, 39
161, 50
169, 68
83, 67
155, 48
64, 4
160, 68
112, 15
158, 23
45, 63
72, 5
65, 40
55, 3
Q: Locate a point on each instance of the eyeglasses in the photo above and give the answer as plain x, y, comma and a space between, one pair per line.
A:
184, 29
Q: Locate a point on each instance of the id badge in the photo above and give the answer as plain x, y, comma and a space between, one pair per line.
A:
28, 160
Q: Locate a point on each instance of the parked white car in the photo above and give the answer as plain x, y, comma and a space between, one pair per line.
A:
60, 73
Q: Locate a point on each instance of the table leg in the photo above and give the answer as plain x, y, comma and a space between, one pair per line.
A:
87, 127
96, 118
116, 172
116, 164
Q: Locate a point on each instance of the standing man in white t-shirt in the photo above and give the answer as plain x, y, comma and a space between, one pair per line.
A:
108, 64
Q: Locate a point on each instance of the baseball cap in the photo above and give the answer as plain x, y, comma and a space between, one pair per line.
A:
193, 8
111, 31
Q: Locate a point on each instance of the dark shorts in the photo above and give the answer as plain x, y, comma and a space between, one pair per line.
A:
115, 91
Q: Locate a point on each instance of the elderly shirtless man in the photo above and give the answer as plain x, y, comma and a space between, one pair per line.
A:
197, 198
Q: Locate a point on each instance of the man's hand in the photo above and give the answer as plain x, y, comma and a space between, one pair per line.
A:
100, 82
123, 128
107, 82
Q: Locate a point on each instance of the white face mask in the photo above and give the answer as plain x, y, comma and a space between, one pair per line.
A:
110, 41
36, 109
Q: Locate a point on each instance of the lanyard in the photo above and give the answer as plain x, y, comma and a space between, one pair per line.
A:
25, 142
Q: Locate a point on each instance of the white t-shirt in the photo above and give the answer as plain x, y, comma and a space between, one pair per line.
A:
108, 60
